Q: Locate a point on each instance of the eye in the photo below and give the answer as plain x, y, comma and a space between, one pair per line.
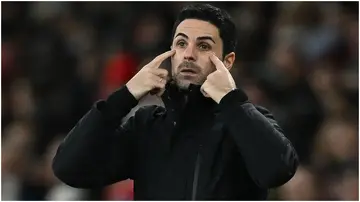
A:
181, 44
204, 46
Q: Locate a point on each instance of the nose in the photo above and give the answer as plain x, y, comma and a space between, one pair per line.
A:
189, 53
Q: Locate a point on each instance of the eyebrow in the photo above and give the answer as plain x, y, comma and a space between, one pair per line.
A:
199, 38
182, 34
206, 38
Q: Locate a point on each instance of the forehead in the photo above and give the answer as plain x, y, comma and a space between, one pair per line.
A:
194, 28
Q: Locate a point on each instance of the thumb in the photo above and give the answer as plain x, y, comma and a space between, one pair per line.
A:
161, 92
202, 90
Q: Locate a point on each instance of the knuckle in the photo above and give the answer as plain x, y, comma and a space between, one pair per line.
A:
157, 59
165, 71
147, 67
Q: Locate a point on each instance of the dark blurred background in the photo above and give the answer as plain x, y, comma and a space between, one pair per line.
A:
298, 59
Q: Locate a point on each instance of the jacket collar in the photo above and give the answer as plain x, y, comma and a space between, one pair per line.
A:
191, 98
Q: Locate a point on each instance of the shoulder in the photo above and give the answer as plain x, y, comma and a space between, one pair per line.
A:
248, 106
269, 116
146, 114
264, 111
150, 111
142, 117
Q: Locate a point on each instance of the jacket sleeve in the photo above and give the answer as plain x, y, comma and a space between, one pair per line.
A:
269, 156
97, 152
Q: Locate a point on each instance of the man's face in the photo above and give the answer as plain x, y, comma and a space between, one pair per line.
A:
194, 41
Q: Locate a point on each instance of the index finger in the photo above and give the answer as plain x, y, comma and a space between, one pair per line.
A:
219, 65
160, 58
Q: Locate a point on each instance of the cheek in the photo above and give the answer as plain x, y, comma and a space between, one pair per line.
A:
175, 62
207, 66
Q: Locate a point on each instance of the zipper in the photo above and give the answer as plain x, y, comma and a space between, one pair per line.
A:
196, 175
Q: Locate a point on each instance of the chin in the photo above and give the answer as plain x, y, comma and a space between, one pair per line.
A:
183, 84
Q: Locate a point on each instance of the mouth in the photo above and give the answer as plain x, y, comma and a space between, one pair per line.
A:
188, 72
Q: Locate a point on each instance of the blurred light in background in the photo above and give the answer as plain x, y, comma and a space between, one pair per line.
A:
299, 59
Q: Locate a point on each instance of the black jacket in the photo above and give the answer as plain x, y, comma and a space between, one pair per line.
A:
193, 149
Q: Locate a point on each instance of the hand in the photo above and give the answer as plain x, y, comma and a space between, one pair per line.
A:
149, 77
218, 83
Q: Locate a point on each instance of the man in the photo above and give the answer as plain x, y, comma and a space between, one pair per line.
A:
208, 142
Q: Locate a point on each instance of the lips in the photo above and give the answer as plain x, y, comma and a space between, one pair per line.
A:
189, 71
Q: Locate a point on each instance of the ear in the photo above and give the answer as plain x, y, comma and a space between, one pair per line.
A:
229, 60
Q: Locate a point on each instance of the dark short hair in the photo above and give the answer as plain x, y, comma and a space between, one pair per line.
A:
216, 16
